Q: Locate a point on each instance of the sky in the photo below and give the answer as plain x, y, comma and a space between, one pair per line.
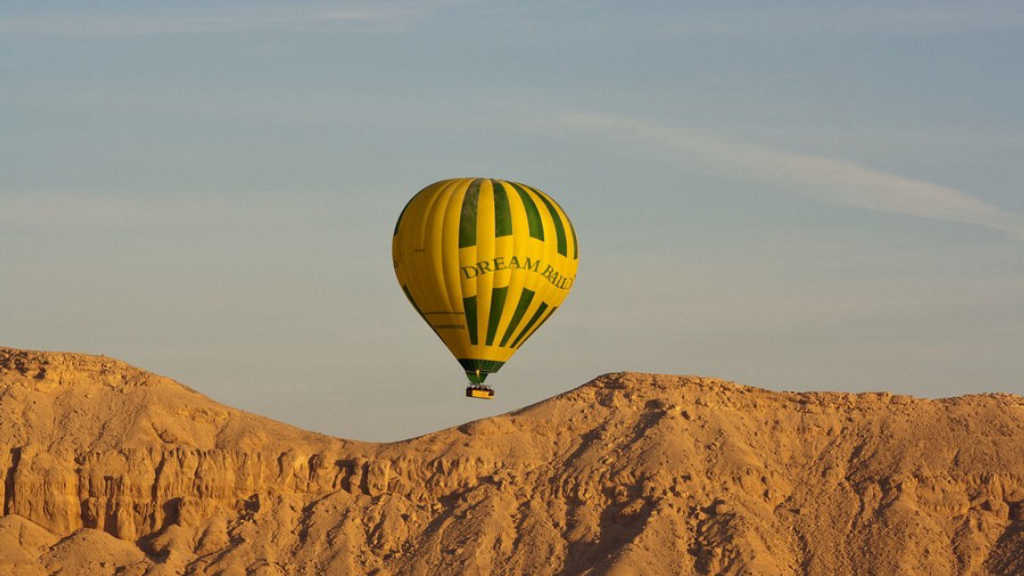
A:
789, 195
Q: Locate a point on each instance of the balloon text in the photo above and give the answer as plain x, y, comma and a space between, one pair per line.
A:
514, 263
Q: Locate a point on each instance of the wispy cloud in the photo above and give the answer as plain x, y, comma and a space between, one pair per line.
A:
241, 18
823, 178
902, 19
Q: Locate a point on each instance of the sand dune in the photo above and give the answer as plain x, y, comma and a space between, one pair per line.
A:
112, 470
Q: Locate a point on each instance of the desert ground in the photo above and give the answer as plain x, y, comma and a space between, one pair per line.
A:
111, 470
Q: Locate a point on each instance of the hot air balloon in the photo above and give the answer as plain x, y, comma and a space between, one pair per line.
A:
485, 263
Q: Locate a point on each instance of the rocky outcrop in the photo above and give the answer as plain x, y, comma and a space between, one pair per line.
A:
108, 469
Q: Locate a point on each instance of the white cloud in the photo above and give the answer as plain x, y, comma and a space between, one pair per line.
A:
895, 18
826, 179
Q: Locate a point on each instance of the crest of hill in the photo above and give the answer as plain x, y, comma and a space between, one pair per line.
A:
81, 403
109, 469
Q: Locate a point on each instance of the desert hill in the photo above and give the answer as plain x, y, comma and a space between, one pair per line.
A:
112, 470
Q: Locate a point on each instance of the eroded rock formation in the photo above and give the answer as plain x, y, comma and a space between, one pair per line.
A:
111, 470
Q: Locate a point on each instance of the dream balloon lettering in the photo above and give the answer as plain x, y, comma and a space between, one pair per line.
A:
499, 263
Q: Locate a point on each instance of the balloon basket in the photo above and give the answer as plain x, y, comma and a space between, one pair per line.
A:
479, 392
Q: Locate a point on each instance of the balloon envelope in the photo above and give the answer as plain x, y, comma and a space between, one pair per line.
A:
485, 262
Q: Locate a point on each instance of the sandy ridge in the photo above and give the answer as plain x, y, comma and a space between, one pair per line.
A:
112, 470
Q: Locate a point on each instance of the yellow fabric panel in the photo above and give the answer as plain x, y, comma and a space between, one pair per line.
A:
571, 239
439, 248
549, 293
421, 270
485, 241
545, 251
454, 335
514, 245
564, 265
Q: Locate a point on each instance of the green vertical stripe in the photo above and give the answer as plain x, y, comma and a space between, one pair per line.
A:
404, 208
469, 305
413, 302
502, 213
524, 303
539, 324
559, 228
532, 214
467, 220
533, 320
418, 310
497, 305
472, 365
575, 243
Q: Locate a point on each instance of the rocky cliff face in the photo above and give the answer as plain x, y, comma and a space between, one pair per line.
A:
111, 470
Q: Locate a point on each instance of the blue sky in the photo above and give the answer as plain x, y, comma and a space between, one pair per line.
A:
799, 196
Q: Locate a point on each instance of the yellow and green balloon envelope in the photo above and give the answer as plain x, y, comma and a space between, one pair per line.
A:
485, 262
